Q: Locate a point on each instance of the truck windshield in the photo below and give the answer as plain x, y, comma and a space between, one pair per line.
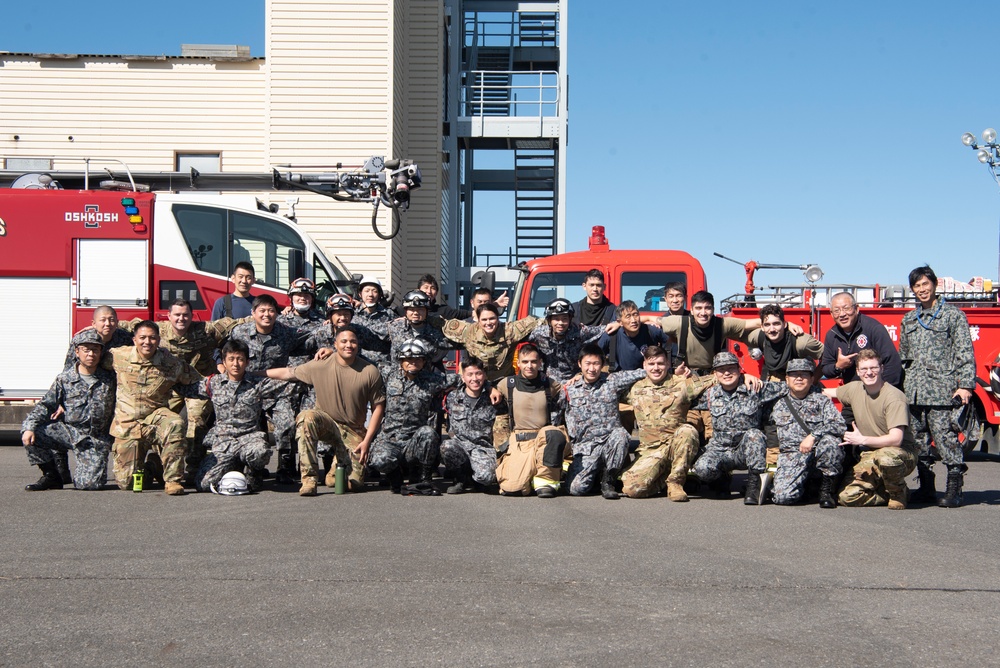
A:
552, 285
645, 288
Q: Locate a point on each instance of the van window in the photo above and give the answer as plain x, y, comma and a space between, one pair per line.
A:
548, 286
645, 288
273, 249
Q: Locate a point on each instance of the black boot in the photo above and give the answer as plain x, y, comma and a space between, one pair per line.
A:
752, 497
608, 490
721, 485
285, 475
953, 492
255, 478
826, 497
926, 492
427, 473
463, 483
61, 460
50, 479
395, 478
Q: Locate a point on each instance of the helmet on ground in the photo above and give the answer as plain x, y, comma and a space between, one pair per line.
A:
416, 299
559, 306
371, 280
418, 347
233, 483
302, 286
339, 302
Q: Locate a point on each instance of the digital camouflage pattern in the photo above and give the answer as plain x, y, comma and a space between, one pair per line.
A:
411, 406
878, 476
668, 446
378, 350
737, 440
469, 442
827, 456
937, 355
595, 430
400, 331
119, 338
83, 427
562, 355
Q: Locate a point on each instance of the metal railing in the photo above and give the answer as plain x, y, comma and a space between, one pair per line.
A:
536, 29
528, 95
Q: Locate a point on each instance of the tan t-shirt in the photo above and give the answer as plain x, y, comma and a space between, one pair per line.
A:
875, 416
699, 357
344, 392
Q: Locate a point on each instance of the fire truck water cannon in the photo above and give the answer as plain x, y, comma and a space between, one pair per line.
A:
811, 272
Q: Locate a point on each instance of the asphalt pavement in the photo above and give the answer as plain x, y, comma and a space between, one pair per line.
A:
375, 579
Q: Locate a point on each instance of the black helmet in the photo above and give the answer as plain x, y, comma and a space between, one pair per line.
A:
339, 302
418, 347
559, 306
416, 299
302, 286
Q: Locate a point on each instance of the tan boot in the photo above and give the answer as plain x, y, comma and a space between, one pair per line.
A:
308, 486
897, 499
331, 477
174, 489
675, 492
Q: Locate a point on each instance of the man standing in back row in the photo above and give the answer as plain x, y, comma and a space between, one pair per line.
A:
936, 350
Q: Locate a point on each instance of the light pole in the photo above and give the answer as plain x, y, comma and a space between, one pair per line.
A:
989, 154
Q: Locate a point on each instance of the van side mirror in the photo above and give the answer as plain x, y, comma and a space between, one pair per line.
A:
485, 279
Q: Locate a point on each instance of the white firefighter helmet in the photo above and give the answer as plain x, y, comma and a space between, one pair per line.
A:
371, 280
233, 483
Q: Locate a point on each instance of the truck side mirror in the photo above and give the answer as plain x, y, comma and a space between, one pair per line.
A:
484, 279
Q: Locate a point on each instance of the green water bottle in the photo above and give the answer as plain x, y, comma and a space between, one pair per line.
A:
340, 483
137, 481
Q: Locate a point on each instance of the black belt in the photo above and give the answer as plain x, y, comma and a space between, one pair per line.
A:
525, 436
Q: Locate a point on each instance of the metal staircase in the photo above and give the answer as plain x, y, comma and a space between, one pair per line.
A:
534, 203
490, 84
537, 28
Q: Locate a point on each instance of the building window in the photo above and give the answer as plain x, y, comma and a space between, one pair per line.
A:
206, 163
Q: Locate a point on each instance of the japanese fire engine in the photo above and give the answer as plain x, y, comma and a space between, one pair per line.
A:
71, 241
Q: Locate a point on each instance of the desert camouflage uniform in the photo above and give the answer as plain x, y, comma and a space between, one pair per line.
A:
407, 438
562, 355
469, 443
272, 351
496, 353
197, 347
827, 429
595, 431
937, 356
378, 349
879, 475
142, 420
236, 438
737, 438
668, 446
82, 429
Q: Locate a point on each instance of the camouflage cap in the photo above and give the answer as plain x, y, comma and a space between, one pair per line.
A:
88, 336
724, 359
800, 365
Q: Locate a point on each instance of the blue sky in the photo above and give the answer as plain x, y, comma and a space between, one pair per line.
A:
787, 132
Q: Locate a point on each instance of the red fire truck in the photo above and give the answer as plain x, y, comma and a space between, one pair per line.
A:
68, 250
640, 275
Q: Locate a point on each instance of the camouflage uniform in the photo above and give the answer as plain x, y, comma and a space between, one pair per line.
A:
197, 347
496, 353
406, 436
562, 355
879, 475
936, 351
142, 420
827, 428
737, 440
83, 428
236, 438
272, 351
668, 446
470, 435
377, 351
400, 331
596, 434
